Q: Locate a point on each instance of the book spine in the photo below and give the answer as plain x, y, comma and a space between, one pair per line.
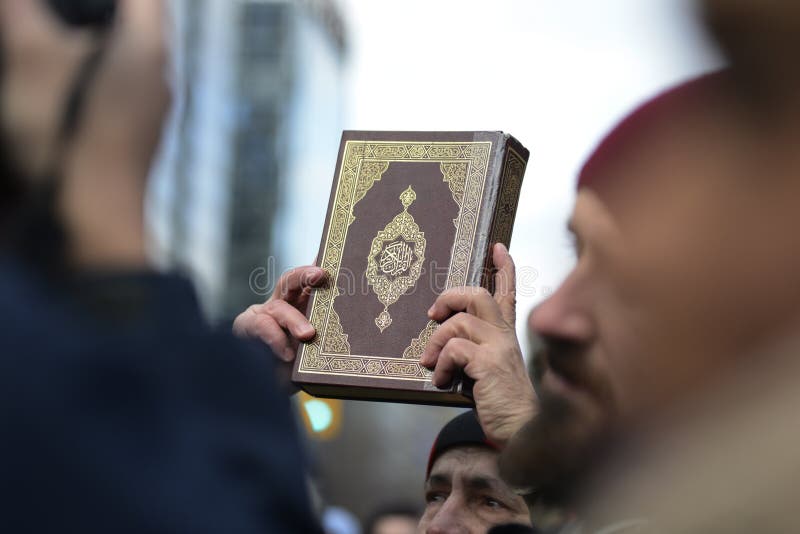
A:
509, 184
501, 199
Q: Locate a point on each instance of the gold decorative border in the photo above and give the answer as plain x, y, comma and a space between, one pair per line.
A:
364, 163
506, 210
455, 174
510, 187
335, 339
417, 347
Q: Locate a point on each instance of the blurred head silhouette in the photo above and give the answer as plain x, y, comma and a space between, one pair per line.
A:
81, 114
686, 261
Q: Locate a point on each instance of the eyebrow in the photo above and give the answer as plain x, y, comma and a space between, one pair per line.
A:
474, 483
436, 479
484, 483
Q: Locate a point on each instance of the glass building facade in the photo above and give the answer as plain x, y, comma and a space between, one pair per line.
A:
240, 195
260, 113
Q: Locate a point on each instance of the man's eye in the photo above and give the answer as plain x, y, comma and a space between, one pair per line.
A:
435, 496
493, 503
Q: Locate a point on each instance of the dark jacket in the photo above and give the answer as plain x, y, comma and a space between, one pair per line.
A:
121, 411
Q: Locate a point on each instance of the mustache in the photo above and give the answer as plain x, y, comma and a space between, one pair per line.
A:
552, 452
569, 361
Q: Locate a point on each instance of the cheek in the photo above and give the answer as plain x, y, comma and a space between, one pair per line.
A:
681, 282
425, 520
613, 358
506, 517
649, 325
483, 519
639, 291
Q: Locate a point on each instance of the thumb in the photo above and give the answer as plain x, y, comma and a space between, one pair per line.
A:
505, 283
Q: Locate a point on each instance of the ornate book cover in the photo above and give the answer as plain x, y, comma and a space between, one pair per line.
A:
411, 214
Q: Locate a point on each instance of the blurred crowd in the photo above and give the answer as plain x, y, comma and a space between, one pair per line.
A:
661, 397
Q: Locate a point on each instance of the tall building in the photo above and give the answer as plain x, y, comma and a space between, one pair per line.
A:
241, 193
260, 92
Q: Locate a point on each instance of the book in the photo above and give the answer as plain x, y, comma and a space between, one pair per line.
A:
411, 214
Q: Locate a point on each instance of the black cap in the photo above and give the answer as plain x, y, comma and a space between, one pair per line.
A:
460, 431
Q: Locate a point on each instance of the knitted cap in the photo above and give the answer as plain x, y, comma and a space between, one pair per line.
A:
648, 117
463, 430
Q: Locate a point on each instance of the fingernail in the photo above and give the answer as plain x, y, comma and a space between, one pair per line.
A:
430, 311
307, 330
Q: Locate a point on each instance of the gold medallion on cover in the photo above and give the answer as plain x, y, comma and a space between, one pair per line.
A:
395, 259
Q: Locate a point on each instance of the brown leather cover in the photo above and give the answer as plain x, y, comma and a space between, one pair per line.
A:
410, 215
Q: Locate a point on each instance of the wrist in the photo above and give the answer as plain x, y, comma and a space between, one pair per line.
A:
517, 419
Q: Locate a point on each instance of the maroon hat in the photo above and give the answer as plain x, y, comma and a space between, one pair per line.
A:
649, 116
461, 431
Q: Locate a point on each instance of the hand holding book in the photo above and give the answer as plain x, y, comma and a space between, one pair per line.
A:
280, 322
411, 215
478, 336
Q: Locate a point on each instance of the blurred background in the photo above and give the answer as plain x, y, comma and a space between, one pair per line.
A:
264, 89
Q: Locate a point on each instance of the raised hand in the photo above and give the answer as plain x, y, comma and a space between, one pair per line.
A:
478, 335
280, 322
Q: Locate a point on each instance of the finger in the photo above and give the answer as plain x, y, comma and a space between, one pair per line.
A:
290, 319
266, 329
505, 283
456, 355
302, 301
296, 282
473, 300
463, 326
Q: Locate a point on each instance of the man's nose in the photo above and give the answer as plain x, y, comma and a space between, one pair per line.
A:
565, 315
450, 518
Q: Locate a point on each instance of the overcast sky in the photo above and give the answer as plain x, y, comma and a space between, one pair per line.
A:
557, 74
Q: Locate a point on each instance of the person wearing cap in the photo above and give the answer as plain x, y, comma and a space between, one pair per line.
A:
687, 265
619, 340
681, 269
463, 490
649, 311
